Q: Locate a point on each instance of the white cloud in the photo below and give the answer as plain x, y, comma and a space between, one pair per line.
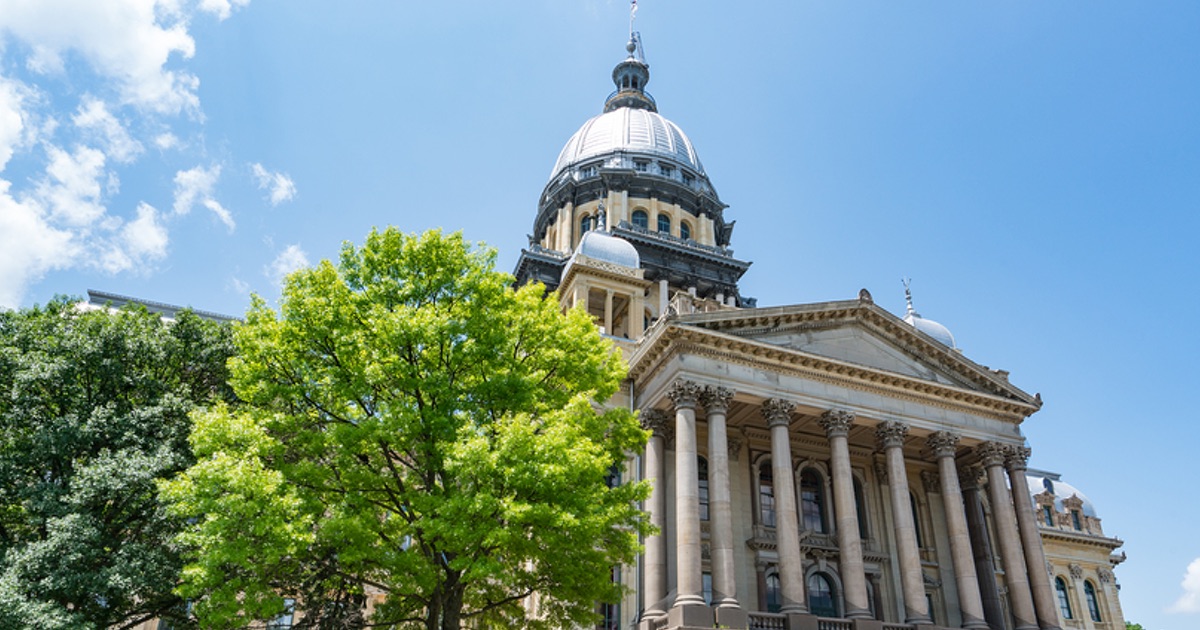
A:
239, 286
166, 141
1189, 602
221, 213
93, 116
286, 262
145, 237
71, 189
13, 119
222, 8
129, 42
281, 187
193, 186
29, 246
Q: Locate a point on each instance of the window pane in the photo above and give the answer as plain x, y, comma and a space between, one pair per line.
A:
641, 219
1064, 604
766, 495
774, 593
812, 501
1093, 605
685, 231
664, 223
702, 466
820, 596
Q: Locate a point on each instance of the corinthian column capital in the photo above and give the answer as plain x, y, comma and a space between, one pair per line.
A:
943, 444
890, 435
777, 411
1016, 458
836, 422
655, 421
968, 477
716, 399
684, 394
992, 453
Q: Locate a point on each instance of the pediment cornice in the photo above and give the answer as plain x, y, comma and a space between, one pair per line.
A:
729, 336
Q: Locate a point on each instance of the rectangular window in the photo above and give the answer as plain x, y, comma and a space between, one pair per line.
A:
284, 620
641, 166
1075, 520
1049, 513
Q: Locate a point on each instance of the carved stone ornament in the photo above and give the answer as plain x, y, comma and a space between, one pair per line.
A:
992, 453
836, 422
1076, 571
881, 471
655, 421
890, 435
1016, 458
943, 444
1106, 576
777, 411
968, 477
734, 444
931, 480
684, 394
716, 399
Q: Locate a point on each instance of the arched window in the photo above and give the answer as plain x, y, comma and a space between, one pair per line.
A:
641, 219
912, 499
1093, 604
1064, 604
702, 468
685, 230
821, 601
766, 495
664, 223
585, 225
860, 507
812, 501
774, 593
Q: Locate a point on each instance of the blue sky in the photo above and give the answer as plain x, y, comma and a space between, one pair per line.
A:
1033, 166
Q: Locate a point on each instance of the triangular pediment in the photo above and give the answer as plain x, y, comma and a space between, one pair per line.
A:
853, 337
851, 342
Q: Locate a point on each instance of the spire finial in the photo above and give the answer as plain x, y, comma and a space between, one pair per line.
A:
908, 295
632, 17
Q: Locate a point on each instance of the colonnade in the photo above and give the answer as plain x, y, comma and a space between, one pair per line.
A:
1030, 597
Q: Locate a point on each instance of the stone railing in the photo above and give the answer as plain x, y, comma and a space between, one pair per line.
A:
767, 621
824, 623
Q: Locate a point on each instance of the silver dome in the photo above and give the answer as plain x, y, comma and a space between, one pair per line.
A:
605, 247
628, 131
931, 328
1040, 481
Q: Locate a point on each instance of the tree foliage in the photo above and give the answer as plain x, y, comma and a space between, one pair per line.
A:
419, 441
93, 410
1129, 625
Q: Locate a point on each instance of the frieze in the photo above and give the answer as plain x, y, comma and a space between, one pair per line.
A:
1076, 571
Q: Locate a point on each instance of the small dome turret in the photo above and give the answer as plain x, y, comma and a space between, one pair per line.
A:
939, 332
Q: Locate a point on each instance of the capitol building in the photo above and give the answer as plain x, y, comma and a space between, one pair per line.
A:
821, 466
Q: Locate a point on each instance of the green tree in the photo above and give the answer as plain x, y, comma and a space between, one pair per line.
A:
1129, 625
93, 410
418, 435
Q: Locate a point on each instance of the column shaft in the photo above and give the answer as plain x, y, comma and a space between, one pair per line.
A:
787, 525
655, 562
716, 401
689, 585
981, 546
912, 579
854, 581
1044, 601
1020, 600
944, 446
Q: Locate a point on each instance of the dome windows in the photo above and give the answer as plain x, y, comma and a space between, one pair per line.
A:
664, 223
685, 231
641, 219
586, 224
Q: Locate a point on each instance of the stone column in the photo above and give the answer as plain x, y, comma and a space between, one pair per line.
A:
608, 311
716, 402
1020, 600
689, 586
778, 414
1044, 600
981, 546
836, 423
944, 446
890, 436
655, 562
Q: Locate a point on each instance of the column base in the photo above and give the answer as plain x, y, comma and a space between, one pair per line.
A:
690, 616
732, 617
